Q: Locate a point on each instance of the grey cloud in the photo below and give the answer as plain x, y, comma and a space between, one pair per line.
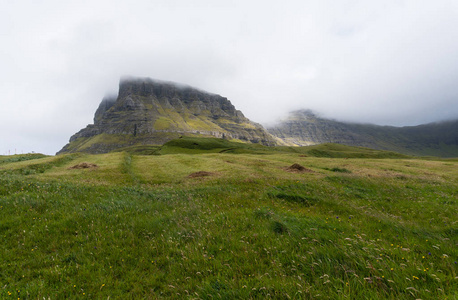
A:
388, 62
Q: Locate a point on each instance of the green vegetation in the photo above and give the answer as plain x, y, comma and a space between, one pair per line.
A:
340, 170
379, 226
344, 151
199, 145
23, 157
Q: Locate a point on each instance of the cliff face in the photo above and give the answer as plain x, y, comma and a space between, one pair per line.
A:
303, 128
151, 112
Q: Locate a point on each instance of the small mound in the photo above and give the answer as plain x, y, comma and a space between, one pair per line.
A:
83, 165
200, 174
297, 168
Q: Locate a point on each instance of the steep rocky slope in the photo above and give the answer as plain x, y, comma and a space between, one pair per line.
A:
303, 127
151, 112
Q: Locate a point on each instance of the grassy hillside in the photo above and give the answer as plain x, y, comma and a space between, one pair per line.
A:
198, 145
229, 222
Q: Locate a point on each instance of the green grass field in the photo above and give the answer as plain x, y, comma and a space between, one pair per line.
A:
356, 224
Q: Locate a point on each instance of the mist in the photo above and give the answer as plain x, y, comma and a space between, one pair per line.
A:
386, 62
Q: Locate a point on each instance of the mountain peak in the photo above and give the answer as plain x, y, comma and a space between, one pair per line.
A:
152, 112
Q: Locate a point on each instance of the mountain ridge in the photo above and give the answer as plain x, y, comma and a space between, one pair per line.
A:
152, 112
304, 128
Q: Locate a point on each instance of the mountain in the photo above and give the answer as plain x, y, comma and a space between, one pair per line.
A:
303, 128
152, 112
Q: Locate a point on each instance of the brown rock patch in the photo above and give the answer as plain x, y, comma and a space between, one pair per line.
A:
297, 168
250, 180
83, 165
200, 174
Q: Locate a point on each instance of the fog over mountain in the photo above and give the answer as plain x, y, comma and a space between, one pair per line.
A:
148, 113
385, 62
153, 112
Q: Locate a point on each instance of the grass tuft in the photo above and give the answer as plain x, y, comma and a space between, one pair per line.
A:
279, 227
339, 170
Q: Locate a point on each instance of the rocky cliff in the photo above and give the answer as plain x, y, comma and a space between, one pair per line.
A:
152, 112
303, 128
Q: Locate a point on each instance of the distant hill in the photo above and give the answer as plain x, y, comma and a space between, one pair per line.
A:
303, 128
152, 112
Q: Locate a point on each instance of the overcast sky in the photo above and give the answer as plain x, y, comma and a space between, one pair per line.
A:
382, 61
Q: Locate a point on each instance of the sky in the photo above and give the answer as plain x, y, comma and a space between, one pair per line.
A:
386, 62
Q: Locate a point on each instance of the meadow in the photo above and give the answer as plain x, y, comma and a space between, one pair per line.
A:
208, 220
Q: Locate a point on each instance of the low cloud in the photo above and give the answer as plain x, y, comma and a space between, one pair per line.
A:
388, 62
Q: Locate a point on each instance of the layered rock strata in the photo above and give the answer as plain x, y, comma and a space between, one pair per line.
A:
152, 112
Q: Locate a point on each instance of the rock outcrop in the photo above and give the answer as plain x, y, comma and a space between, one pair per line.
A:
152, 112
303, 128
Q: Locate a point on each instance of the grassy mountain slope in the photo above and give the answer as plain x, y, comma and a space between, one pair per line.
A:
199, 145
157, 226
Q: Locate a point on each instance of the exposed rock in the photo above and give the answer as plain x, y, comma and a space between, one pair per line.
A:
297, 168
83, 165
304, 128
200, 174
151, 112
105, 105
